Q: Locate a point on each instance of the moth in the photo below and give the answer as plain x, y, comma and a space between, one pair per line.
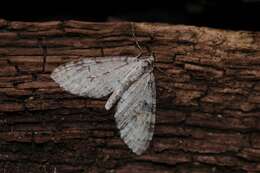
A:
131, 85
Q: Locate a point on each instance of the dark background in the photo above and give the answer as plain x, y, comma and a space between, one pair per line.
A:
226, 14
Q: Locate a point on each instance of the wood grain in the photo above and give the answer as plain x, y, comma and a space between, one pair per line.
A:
208, 100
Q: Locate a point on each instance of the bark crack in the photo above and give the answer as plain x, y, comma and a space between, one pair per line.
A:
42, 45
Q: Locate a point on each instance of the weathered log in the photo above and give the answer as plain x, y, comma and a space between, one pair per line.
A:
208, 117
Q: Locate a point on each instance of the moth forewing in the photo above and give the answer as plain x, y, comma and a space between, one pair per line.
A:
93, 77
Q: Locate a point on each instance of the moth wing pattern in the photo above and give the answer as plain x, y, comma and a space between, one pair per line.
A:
135, 113
93, 77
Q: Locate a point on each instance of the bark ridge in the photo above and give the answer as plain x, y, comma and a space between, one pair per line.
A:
208, 101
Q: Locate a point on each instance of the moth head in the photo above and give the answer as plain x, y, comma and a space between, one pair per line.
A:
147, 64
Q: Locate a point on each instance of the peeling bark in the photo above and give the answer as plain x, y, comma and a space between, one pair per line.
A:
208, 117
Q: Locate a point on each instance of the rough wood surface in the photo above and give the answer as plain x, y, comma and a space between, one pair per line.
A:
208, 117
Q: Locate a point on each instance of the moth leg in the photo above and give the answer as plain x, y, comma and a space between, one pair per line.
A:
163, 72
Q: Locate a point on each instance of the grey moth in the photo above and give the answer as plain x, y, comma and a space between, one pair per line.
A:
131, 85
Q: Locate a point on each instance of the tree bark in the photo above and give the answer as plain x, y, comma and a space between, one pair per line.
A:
208, 100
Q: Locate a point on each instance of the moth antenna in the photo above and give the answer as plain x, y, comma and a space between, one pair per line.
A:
139, 55
141, 50
135, 40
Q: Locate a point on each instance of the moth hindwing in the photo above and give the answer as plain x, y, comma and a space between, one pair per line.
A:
132, 84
